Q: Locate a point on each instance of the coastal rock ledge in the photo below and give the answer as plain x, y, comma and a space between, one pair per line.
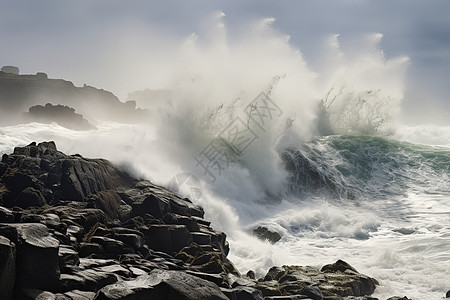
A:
78, 228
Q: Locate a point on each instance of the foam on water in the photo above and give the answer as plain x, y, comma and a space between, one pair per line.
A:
401, 240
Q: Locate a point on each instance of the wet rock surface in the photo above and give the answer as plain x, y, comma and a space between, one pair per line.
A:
86, 230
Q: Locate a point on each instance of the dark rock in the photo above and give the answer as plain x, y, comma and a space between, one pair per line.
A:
136, 271
64, 116
112, 247
235, 281
36, 294
266, 235
216, 278
63, 239
251, 274
37, 257
339, 266
115, 269
41, 168
218, 239
109, 202
88, 218
68, 257
70, 282
269, 288
101, 230
275, 273
41, 76
90, 263
168, 238
242, 293
7, 268
213, 262
6, 215
87, 249
148, 198
52, 221
207, 261
153, 205
447, 295
135, 240
312, 292
400, 298
93, 280
201, 238
80, 295
360, 298
76, 231
294, 280
175, 219
133, 223
29, 197
159, 284
30, 218
291, 297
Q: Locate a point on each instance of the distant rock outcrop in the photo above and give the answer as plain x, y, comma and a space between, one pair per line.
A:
10, 70
63, 115
19, 92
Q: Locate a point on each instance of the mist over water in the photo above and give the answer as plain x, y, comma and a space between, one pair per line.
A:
380, 204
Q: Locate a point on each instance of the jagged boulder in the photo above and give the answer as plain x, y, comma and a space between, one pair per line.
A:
161, 284
263, 233
37, 256
336, 280
206, 260
6, 215
36, 174
7, 268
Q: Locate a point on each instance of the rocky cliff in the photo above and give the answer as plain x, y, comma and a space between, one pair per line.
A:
78, 228
19, 92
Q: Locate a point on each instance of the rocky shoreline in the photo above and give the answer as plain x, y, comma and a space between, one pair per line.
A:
78, 228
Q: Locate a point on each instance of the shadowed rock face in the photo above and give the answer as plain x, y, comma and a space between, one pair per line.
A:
39, 174
334, 281
77, 228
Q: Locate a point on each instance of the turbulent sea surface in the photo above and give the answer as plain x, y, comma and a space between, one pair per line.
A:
380, 203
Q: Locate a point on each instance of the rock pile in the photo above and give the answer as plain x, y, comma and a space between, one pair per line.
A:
77, 228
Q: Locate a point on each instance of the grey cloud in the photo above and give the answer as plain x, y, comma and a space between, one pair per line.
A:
67, 36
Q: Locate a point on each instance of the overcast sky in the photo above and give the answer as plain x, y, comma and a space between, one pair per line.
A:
105, 43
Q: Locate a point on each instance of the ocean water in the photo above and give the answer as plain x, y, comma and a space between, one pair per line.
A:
385, 208
314, 150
